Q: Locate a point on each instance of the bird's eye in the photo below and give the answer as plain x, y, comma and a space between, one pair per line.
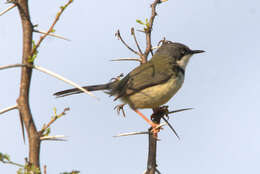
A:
183, 52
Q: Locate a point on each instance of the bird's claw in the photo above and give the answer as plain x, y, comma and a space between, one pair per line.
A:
156, 129
119, 108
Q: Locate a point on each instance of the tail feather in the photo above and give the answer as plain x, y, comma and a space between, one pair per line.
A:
73, 91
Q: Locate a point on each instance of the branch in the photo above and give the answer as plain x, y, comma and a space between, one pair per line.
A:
149, 31
8, 109
62, 8
158, 113
23, 100
6, 10
26, 71
52, 34
136, 42
118, 35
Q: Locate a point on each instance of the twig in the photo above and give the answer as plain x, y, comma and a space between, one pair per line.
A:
62, 8
6, 10
4, 158
136, 42
8, 109
118, 35
54, 138
131, 133
52, 34
12, 163
127, 59
149, 31
44, 70
54, 119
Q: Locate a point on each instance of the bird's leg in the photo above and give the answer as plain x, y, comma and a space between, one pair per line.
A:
155, 126
119, 108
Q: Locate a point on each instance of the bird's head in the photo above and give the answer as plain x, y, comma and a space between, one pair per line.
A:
179, 52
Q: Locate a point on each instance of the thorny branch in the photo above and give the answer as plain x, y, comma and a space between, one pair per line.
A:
158, 113
26, 72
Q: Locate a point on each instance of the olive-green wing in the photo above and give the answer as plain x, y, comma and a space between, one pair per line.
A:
146, 75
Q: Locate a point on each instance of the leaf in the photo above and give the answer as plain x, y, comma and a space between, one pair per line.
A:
47, 132
140, 22
7, 157
147, 24
33, 57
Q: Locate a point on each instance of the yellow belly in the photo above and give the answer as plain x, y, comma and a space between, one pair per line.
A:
155, 96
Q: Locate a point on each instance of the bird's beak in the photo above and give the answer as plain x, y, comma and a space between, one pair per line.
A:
197, 51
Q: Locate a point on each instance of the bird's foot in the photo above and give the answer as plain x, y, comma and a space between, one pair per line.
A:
119, 108
156, 129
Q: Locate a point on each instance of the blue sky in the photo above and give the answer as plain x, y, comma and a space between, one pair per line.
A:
221, 135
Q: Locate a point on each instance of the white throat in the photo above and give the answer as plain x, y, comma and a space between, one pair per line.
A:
184, 61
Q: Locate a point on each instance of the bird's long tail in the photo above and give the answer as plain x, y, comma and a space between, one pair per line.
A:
72, 91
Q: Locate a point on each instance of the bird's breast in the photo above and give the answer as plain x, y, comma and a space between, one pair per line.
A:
157, 95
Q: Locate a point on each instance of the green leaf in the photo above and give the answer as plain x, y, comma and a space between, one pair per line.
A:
47, 132
147, 25
146, 21
33, 57
140, 22
6, 157
20, 171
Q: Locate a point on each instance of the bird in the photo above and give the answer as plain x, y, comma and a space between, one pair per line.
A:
150, 85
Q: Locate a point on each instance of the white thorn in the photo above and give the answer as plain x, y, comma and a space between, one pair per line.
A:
131, 133
6, 10
8, 109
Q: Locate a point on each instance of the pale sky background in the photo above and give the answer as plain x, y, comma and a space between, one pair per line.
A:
222, 133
